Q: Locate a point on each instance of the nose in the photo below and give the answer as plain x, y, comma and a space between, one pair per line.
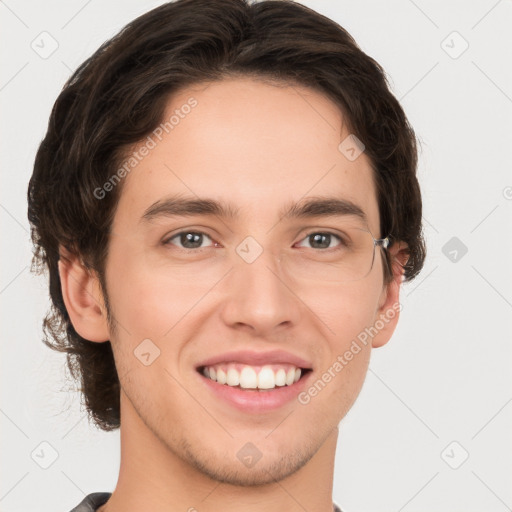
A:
259, 299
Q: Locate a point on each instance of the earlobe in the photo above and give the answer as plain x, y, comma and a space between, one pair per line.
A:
389, 306
83, 298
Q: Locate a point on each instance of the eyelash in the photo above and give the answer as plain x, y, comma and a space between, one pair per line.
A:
176, 235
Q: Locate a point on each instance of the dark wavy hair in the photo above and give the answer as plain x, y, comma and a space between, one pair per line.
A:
118, 96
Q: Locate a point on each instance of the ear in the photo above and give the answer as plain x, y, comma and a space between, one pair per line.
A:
389, 306
83, 297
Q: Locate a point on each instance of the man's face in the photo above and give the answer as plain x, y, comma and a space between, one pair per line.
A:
258, 148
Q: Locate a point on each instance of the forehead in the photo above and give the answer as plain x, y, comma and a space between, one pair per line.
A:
252, 145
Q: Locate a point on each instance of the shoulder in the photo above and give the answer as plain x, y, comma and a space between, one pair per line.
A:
92, 501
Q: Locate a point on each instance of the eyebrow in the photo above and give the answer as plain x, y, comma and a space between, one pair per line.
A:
307, 208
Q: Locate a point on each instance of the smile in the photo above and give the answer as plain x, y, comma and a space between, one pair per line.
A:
243, 376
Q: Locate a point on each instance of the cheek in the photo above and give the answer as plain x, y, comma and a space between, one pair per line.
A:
344, 311
139, 301
149, 299
351, 377
344, 315
345, 366
145, 306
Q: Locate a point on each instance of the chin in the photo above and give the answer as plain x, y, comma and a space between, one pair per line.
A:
263, 472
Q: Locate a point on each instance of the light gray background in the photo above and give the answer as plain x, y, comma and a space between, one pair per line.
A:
444, 377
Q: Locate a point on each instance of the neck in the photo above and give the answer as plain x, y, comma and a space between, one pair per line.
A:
152, 477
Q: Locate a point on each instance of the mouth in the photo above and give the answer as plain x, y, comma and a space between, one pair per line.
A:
254, 378
255, 382
254, 389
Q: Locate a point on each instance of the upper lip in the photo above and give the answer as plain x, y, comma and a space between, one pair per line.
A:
257, 358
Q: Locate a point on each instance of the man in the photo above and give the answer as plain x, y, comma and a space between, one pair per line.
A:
227, 203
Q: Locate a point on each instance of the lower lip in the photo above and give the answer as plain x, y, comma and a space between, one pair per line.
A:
253, 400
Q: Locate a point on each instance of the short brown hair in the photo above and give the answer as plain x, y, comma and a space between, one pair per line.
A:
118, 96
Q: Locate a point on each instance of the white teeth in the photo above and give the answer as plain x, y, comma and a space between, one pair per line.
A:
233, 377
248, 378
290, 377
221, 376
280, 377
268, 377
